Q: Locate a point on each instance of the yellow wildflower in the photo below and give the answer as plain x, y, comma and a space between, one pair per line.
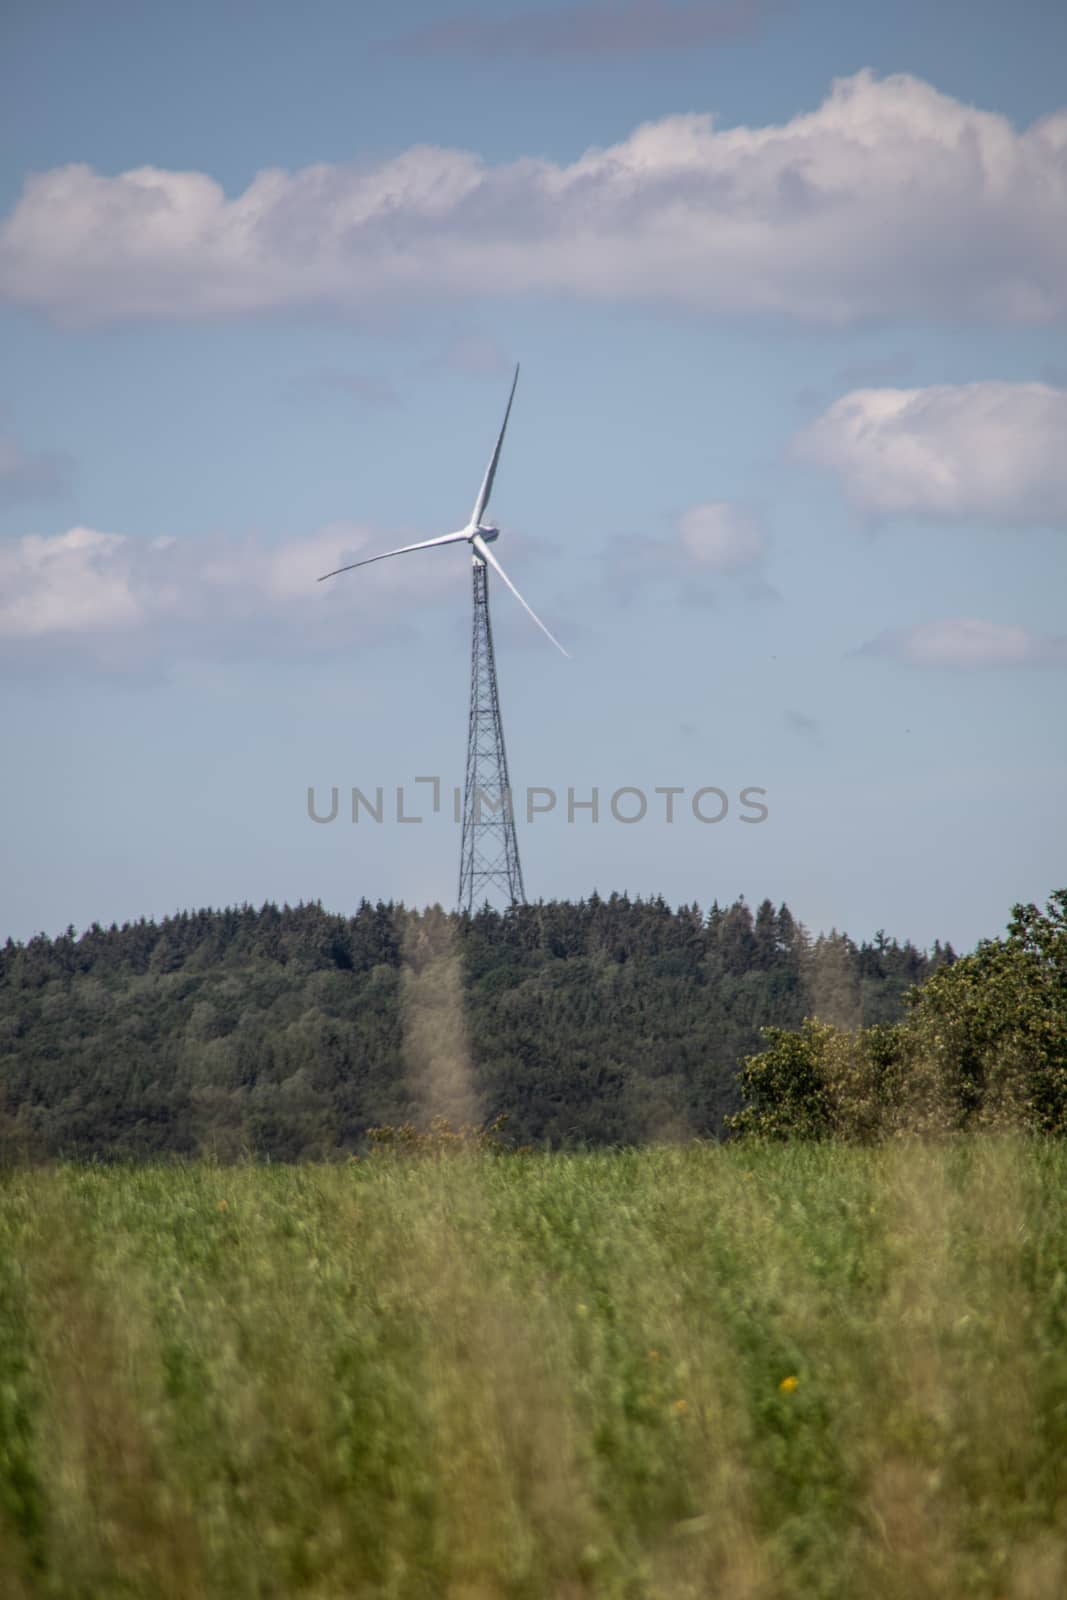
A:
788, 1385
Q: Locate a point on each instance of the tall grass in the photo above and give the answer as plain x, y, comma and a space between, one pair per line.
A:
744, 1371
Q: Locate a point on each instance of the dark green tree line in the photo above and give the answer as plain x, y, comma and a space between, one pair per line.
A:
280, 1031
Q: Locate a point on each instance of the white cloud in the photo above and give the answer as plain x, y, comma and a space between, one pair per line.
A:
120, 601
713, 540
984, 452
889, 198
970, 642
721, 537
72, 582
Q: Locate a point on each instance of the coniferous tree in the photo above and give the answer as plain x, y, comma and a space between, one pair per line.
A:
281, 1030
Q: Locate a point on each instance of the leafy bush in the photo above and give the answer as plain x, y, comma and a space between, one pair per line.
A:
984, 1045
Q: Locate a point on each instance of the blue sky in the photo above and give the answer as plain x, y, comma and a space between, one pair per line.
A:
785, 469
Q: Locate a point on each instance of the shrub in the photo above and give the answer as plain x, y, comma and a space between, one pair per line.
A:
984, 1046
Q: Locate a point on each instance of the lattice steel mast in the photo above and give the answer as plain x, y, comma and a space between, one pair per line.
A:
489, 849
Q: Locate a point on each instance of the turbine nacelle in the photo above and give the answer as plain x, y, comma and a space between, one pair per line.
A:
478, 534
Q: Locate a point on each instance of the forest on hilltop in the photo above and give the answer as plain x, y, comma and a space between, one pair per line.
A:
281, 1032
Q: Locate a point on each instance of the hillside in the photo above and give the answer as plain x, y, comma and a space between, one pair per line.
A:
286, 1032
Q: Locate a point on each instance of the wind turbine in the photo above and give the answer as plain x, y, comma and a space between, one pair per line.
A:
489, 851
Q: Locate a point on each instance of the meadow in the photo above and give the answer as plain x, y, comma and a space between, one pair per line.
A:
706, 1371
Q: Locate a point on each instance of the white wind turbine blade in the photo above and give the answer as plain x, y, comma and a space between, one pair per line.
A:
487, 555
423, 544
490, 471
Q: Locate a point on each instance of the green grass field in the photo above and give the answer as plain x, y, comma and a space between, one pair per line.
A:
692, 1371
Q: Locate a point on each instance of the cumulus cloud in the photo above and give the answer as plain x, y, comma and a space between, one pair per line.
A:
105, 598
888, 199
28, 476
583, 32
969, 642
721, 537
985, 452
715, 539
